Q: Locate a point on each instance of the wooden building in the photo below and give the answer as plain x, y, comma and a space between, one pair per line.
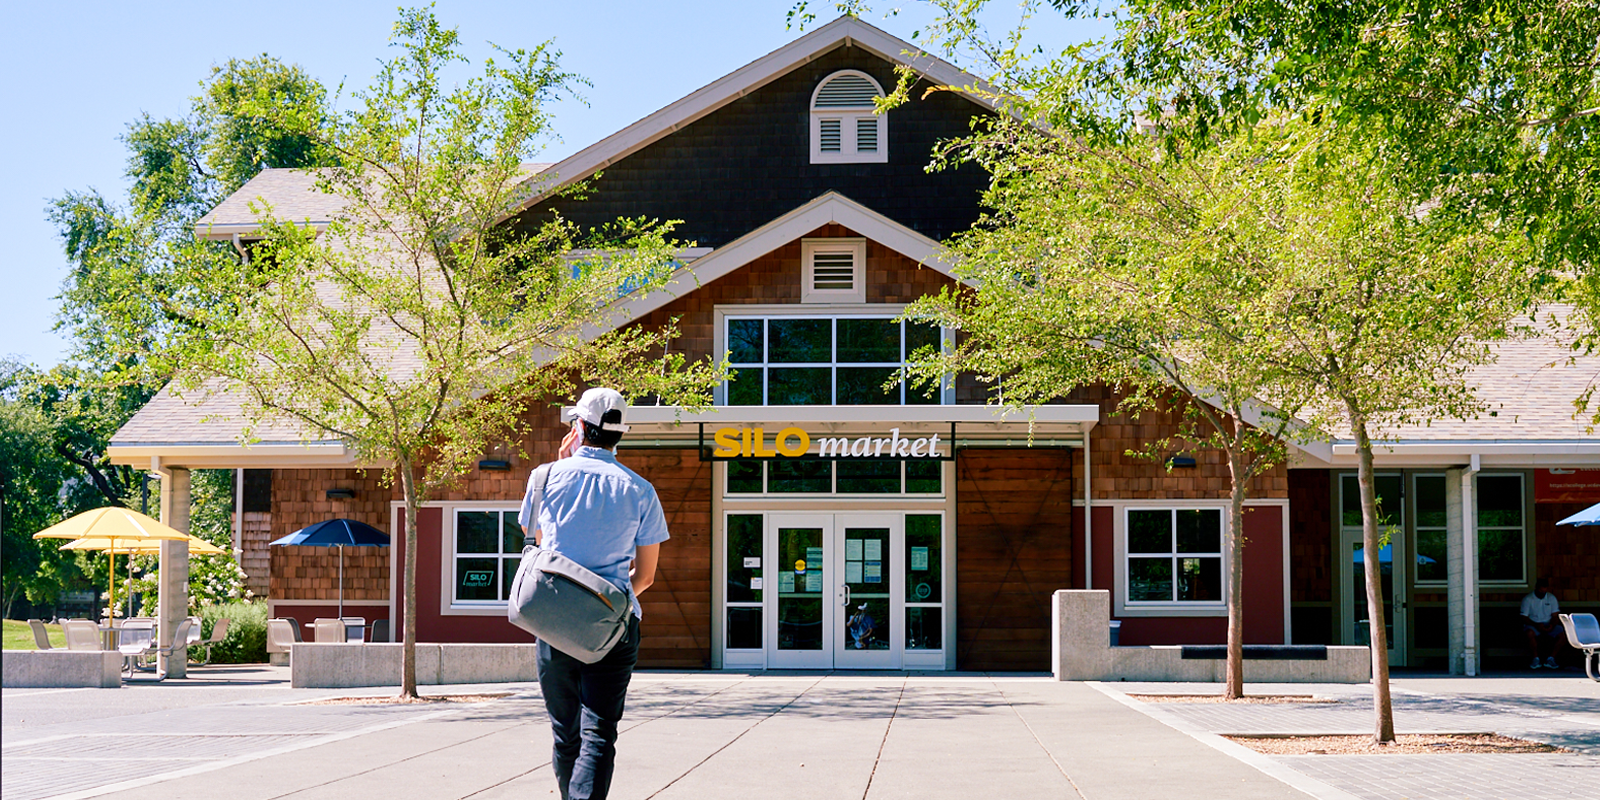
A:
818, 522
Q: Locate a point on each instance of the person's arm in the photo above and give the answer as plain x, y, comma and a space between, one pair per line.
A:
643, 572
568, 444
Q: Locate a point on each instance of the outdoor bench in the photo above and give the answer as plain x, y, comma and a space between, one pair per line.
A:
1259, 652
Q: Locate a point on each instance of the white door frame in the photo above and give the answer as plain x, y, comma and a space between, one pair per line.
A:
831, 595
1399, 552
893, 571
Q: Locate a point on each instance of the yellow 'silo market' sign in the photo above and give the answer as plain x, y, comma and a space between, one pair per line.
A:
794, 442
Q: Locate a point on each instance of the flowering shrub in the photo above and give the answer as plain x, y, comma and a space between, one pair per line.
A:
212, 580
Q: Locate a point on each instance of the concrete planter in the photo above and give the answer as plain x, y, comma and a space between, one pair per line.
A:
338, 666
61, 669
1081, 651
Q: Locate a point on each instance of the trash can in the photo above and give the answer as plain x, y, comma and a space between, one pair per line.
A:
1116, 631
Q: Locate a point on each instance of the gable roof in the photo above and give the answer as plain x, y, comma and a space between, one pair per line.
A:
842, 32
830, 207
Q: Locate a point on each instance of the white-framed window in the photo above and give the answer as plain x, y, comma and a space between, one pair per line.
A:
833, 270
803, 359
1432, 536
1502, 529
843, 128
487, 548
1173, 557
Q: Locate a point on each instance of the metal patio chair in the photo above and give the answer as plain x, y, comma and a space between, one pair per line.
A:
41, 636
82, 634
1583, 633
135, 640
219, 632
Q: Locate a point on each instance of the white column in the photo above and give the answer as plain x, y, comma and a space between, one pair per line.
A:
173, 603
1455, 573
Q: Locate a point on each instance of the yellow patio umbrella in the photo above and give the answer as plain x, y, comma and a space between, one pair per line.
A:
197, 546
123, 547
120, 527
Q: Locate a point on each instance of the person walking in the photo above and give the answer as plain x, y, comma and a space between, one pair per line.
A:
605, 517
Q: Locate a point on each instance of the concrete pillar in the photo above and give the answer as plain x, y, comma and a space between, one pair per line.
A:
1461, 555
1455, 572
173, 603
1080, 635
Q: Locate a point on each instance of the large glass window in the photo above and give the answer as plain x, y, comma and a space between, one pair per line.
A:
1174, 555
816, 476
1501, 528
487, 552
1430, 529
803, 361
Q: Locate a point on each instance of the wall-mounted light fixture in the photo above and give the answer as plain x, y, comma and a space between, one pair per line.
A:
494, 465
1181, 462
340, 494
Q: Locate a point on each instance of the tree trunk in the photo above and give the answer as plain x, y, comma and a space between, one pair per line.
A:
1383, 732
408, 657
1235, 538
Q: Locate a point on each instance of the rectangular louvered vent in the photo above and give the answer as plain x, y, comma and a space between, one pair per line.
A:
866, 134
834, 271
828, 141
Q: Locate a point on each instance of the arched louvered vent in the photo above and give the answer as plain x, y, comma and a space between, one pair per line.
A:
844, 129
846, 90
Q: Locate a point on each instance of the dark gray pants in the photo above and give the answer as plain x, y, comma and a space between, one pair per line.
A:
585, 703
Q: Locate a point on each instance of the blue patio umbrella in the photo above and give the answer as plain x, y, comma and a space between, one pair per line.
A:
340, 533
1588, 516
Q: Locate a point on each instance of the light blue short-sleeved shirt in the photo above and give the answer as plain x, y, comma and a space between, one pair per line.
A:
597, 512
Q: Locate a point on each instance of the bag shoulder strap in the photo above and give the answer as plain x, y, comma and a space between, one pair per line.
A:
536, 484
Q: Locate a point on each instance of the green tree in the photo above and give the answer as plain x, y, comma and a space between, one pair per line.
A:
32, 480
122, 296
1115, 266
1385, 311
1490, 107
418, 328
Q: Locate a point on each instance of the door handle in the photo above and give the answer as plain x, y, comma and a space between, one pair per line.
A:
846, 588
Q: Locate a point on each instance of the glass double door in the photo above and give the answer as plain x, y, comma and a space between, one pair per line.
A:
837, 603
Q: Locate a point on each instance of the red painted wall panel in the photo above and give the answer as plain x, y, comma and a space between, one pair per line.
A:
1263, 586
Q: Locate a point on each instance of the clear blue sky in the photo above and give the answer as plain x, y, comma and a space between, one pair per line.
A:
76, 75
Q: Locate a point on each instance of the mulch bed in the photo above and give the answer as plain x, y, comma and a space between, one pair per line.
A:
387, 700
1217, 698
1405, 744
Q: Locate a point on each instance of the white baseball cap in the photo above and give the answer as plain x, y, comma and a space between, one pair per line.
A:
594, 404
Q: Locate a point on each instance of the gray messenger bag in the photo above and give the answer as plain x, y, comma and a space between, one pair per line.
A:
561, 601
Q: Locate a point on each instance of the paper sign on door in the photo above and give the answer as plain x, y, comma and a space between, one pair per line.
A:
754, 562
756, 584
852, 572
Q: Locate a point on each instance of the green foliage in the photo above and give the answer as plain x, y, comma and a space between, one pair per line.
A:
247, 632
119, 303
417, 327
1488, 111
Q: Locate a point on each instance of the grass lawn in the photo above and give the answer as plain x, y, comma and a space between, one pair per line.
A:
19, 637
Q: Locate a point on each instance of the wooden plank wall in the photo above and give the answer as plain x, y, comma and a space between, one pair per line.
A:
255, 558
312, 573
1013, 550
676, 629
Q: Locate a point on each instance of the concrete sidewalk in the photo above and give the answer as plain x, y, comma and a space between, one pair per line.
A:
244, 734
691, 735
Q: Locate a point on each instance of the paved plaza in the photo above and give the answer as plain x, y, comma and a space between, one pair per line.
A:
242, 733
